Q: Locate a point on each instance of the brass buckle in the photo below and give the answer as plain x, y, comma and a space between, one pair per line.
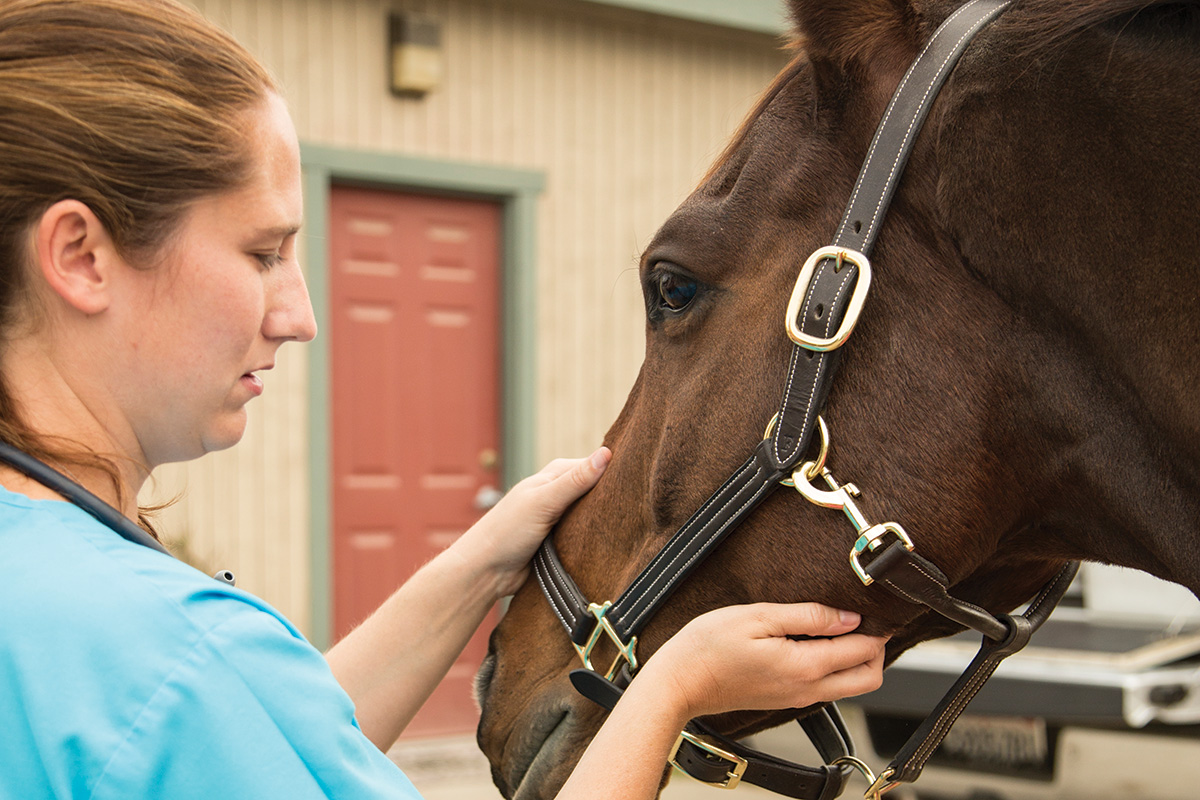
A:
857, 299
732, 777
628, 652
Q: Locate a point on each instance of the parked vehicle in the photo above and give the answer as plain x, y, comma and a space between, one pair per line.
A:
1104, 704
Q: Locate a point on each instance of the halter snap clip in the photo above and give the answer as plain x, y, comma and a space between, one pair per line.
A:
841, 497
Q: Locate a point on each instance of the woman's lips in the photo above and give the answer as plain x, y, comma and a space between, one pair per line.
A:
253, 383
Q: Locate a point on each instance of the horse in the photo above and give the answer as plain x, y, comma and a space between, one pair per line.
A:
1020, 390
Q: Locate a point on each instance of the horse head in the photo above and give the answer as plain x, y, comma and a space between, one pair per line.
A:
1015, 393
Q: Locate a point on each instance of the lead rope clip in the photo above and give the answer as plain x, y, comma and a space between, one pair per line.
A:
878, 786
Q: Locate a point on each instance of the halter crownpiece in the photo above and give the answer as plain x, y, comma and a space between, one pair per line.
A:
823, 309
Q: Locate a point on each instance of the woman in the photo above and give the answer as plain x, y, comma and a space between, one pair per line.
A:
149, 208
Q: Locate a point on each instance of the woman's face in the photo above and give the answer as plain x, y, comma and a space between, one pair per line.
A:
202, 326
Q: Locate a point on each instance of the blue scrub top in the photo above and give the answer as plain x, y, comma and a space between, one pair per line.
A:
128, 674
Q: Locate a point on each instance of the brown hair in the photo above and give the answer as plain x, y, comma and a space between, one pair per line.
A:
129, 106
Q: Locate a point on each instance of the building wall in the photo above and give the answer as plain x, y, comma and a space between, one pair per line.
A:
620, 110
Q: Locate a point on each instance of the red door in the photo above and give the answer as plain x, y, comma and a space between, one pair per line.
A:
415, 354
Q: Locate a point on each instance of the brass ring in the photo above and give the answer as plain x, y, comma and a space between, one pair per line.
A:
819, 465
857, 764
811, 470
770, 426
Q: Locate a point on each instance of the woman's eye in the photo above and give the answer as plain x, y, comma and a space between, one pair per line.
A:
269, 260
676, 291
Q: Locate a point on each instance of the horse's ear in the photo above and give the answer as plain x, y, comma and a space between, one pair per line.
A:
850, 35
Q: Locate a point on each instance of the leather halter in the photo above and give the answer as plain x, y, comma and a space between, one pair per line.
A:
824, 308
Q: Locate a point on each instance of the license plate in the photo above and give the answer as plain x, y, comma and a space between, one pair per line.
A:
1007, 743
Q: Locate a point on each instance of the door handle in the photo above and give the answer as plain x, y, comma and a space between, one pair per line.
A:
486, 497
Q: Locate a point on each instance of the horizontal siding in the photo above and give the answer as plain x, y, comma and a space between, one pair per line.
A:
621, 110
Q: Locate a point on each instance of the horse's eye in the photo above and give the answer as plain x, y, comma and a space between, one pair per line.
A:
676, 291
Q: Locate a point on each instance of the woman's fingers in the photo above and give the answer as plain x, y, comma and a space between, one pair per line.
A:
710, 658
832, 655
851, 682
853, 667
570, 479
505, 539
805, 619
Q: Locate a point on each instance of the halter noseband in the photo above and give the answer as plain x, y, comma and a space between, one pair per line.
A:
822, 312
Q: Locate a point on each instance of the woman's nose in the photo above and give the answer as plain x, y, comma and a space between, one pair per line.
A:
289, 314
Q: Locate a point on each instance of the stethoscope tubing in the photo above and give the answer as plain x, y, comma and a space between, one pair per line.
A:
104, 513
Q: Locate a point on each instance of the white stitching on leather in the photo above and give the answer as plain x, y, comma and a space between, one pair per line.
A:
646, 573
1040, 600
671, 581
891, 106
898, 590
547, 588
807, 301
812, 390
952, 712
563, 605
783, 406
928, 88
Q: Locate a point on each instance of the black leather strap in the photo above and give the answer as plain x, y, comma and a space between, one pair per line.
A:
774, 774
686, 550
569, 604
810, 373
910, 760
915, 580
825, 729
721, 513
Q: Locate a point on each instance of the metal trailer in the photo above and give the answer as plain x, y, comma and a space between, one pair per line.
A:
1104, 704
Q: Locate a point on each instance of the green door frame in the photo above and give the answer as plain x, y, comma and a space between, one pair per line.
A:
760, 16
517, 192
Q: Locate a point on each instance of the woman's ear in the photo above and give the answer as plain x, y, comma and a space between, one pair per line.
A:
75, 255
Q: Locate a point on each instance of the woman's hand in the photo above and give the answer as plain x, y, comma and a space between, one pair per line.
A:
739, 658
506, 538
391, 663
726, 660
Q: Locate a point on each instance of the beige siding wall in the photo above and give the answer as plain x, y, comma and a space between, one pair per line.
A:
621, 111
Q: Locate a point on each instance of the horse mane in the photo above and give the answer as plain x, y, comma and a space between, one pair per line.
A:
1040, 26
